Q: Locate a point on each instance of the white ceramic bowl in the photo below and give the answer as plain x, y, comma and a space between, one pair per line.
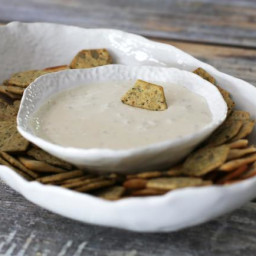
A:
26, 46
150, 157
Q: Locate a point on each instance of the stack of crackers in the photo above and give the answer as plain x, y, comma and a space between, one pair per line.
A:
224, 158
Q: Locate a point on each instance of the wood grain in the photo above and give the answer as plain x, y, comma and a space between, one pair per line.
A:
29, 230
220, 22
236, 61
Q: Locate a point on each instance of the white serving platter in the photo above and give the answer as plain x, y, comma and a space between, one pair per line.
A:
39, 45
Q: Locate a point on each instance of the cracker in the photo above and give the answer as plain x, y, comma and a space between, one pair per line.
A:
233, 164
61, 176
148, 192
236, 153
21, 173
235, 174
174, 183
39, 166
227, 131
13, 89
72, 180
91, 58
205, 75
14, 162
239, 115
205, 160
95, 185
246, 129
41, 155
145, 95
145, 175
4, 113
10, 139
83, 181
6, 131
175, 171
135, 183
251, 172
226, 96
23, 79
16, 143
11, 95
238, 144
56, 68
112, 193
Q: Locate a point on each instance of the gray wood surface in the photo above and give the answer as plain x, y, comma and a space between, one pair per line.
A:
29, 230
238, 62
220, 32
219, 21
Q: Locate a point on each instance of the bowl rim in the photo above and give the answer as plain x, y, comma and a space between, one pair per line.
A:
217, 117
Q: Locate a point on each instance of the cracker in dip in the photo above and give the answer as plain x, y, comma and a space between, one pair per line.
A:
145, 95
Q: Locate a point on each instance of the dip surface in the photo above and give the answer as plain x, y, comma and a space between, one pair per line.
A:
93, 116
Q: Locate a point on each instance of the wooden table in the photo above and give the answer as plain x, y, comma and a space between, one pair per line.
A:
220, 32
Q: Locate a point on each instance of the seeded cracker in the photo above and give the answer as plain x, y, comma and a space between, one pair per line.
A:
39, 166
61, 176
148, 192
135, 183
145, 175
251, 172
91, 58
14, 162
175, 171
236, 153
24, 175
83, 181
239, 115
4, 110
112, 193
246, 129
233, 164
13, 89
228, 130
145, 95
56, 68
95, 185
238, 144
174, 183
10, 139
73, 180
23, 79
232, 175
225, 94
205, 75
205, 160
41, 155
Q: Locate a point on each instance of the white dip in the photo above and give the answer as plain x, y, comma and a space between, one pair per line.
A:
93, 116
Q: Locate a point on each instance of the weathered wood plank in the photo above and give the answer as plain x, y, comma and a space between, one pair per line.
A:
236, 61
28, 230
220, 22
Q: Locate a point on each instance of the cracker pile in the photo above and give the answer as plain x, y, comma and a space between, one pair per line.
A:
224, 158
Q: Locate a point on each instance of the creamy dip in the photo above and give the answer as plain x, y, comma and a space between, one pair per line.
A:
93, 116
